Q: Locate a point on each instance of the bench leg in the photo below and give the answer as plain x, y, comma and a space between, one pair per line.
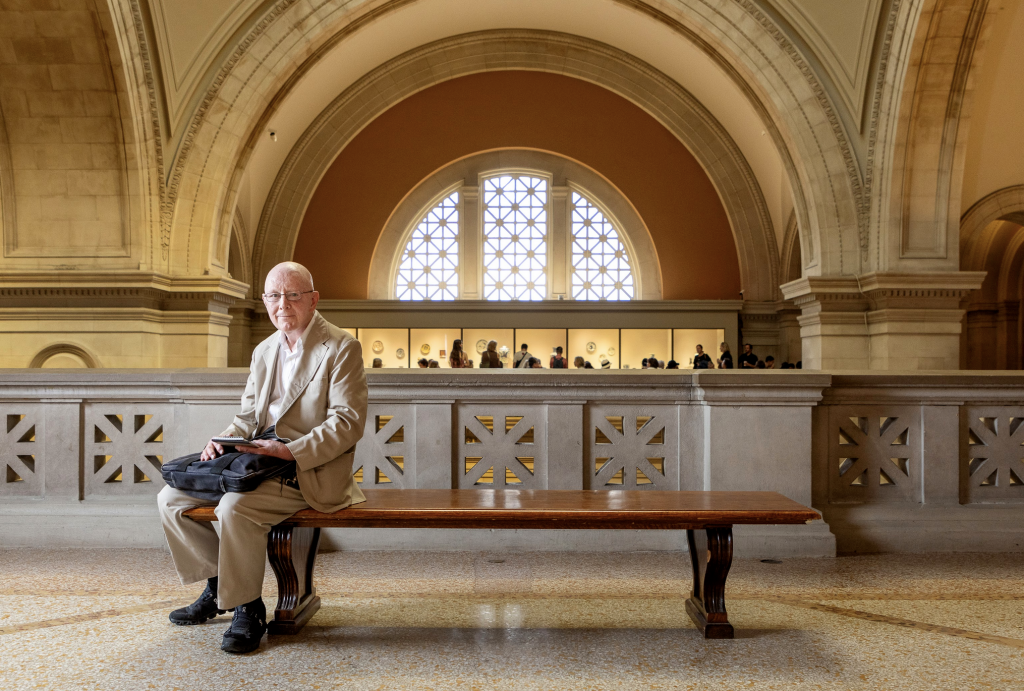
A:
711, 555
292, 553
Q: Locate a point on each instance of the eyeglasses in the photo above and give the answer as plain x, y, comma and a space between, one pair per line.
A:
290, 297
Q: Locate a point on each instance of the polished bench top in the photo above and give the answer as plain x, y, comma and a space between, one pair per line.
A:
552, 509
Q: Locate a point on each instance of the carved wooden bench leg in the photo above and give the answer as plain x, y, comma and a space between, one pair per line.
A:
292, 553
711, 555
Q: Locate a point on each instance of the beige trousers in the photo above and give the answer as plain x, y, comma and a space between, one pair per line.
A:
238, 556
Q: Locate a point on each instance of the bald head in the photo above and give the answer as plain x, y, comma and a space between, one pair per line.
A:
290, 270
290, 315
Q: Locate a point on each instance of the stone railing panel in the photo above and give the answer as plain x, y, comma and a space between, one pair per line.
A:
125, 446
385, 456
21, 450
991, 455
632, 447
875, 454
501, 446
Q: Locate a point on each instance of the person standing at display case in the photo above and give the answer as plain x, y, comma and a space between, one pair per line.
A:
489, 358
724, 362
702, 360
457, 359
578, 363
748, 360
522, 359
557, 361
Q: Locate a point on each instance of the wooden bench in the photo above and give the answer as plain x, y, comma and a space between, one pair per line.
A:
707, 518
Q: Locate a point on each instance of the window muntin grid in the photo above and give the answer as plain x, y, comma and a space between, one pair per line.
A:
600, 263
515, 232
429, 268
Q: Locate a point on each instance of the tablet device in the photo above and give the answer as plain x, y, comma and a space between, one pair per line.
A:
233, 441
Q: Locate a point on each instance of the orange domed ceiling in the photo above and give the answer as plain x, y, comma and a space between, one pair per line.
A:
534, 110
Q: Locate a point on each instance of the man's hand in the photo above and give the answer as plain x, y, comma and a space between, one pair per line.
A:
268, 447
212, 450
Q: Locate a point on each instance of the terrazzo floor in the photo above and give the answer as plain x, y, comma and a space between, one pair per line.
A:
97, 619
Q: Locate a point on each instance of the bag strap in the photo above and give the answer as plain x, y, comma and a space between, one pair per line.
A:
186, 462
222, 463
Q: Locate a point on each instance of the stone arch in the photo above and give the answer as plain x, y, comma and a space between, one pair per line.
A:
791, 262
564, 171
919, 133
747, 43
671, 105
239, 253
992, 240
71, 349
1005, 204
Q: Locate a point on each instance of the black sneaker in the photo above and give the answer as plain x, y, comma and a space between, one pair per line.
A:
201, 610
247, 628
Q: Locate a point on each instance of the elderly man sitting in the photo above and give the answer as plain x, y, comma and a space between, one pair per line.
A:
306, 385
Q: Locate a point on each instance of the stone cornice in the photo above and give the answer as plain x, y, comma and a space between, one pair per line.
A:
879, 288
121, 280
539, 306
113, 290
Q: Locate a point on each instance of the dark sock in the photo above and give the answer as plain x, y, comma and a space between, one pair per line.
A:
211, 583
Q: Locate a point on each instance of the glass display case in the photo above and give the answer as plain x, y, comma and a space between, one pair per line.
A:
638, 344
620, 348
475, 342
685, 345
390, 345
595, 345
433, 344
542, 343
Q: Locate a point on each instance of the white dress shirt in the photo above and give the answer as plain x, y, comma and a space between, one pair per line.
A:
287, 364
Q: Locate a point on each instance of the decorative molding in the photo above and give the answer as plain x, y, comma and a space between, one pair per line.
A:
824, 102
141, 89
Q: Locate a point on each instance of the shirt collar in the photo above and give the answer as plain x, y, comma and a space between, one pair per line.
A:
301, 344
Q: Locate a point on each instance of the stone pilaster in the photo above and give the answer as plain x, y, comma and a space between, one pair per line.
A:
882, 321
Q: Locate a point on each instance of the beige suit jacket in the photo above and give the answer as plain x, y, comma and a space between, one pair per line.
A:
323, 412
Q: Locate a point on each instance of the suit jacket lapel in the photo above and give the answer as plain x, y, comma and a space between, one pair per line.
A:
312, 355
263, 402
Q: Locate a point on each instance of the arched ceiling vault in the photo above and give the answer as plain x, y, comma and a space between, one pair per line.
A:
784, 78
385, 86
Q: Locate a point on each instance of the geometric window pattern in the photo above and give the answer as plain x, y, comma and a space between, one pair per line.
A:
993, 467
600, 264
874, 457
629, 452
124, 449
380, 454
20, 454
515, 249
500, 451
430, 263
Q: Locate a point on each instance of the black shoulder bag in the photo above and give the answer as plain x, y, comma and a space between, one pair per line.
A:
229, 472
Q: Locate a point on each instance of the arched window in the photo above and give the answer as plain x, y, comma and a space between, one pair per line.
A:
546, 229
515, 228
600, 263
429, 269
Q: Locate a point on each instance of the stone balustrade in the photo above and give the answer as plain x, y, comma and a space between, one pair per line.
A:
895, 462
